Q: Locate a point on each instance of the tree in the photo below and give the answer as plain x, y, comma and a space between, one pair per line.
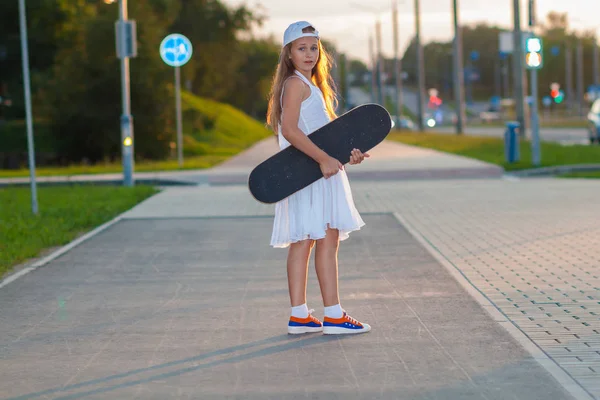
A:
42, 49
484, 40
253, 78
357, 69
213, 28
82, 99
557, 38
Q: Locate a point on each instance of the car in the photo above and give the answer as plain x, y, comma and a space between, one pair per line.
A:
405, 123
594, 122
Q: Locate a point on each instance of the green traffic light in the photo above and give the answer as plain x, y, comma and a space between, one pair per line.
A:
559, 99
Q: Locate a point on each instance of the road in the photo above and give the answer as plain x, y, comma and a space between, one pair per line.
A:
559, 135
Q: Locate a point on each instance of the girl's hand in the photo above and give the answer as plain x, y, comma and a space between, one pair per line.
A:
330, 167
356, 157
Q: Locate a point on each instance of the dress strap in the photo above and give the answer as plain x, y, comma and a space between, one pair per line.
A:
298, 75
309, 83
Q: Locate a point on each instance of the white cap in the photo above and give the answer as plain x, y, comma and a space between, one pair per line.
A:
294, 31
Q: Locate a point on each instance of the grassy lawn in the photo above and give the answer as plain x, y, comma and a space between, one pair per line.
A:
213, 132
193, 162
64, 213
491, 149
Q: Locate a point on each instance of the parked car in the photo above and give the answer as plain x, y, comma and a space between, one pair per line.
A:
594, 122
405, 123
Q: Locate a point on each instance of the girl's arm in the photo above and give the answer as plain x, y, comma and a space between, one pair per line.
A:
292, 100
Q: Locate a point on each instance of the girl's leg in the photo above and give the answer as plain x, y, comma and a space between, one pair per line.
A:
297, 269
326, 265
336, 321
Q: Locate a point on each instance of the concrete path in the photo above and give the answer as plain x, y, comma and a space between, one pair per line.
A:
476, 289
196, 308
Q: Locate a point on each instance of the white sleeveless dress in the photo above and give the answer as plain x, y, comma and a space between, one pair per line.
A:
327, 202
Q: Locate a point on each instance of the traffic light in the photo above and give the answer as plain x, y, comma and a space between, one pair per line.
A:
559, 97
556, 93
533, 53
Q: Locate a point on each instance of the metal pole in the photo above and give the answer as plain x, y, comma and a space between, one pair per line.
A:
126, 119
569, 76
535, 126
497, 80
580, 77
420, 68
596, 78
179, 123
518, 68
344, 82
27, 89
459, 95
505, 75
397, 66
380, 86
373, 71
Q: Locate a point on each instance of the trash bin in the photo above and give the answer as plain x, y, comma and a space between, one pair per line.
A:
511, 142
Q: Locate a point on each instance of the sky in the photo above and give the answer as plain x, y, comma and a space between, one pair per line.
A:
348, 23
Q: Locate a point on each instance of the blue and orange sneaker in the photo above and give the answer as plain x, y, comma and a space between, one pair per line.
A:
343, 326
304, 325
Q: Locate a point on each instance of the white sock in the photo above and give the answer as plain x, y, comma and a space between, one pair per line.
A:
334, 311
300, 311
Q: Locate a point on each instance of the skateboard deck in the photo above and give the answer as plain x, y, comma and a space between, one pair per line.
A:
290, 170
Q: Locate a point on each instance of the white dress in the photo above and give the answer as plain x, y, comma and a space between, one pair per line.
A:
327, 202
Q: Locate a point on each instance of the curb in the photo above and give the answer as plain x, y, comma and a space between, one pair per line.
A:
556, 170
96, 181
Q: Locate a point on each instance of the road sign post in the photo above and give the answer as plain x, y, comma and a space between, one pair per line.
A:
533, 62
176, 50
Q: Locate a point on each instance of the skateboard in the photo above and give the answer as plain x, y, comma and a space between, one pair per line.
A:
290, 170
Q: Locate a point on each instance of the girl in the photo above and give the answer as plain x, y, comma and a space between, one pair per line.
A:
301, 101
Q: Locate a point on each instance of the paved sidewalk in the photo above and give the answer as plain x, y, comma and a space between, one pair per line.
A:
476, 289
197, 308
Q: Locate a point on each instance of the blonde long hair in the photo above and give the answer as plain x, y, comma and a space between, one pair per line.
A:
321, 77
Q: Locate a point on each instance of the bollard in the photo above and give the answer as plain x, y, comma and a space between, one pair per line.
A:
511, 142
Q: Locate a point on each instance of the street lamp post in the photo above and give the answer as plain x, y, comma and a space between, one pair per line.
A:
27, 89
397, 67
459, 97
420, 68
378, 91
126, 48
519, 76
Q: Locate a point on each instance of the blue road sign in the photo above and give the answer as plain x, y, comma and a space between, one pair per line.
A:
474, 55
176, 50
555, 50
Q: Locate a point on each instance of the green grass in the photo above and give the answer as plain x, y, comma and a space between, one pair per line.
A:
191, 162
213, 132
64, 213
491, 149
